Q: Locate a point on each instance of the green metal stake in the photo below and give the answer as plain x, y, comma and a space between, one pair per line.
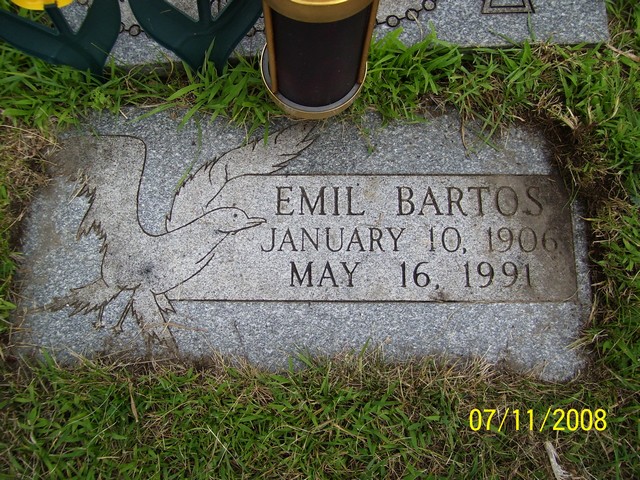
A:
197, 41
87, 49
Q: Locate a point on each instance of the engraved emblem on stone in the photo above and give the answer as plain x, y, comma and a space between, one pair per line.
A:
507, 6
145, 266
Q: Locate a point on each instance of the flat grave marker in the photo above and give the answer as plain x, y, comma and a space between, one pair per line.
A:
466, 23
319, 239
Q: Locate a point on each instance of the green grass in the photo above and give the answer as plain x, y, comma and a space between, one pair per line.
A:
354, 416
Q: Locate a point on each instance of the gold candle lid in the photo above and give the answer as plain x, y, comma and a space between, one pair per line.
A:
318, 11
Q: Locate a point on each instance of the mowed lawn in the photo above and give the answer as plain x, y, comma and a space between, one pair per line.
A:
354, 416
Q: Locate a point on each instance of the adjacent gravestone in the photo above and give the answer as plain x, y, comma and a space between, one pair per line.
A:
462, 22
319, 238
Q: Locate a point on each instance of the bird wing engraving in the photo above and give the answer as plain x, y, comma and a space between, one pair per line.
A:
199, 192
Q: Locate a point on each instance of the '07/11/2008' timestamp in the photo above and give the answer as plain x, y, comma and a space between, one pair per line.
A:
558, 419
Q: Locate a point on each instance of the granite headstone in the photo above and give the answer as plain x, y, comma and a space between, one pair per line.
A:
320, 237
461, 22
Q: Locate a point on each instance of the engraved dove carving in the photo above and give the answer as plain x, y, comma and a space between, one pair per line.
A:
144, 266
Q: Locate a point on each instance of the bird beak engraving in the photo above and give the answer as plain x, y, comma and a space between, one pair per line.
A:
250, 223
255, 221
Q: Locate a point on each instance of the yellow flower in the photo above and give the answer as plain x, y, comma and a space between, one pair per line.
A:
40, 4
